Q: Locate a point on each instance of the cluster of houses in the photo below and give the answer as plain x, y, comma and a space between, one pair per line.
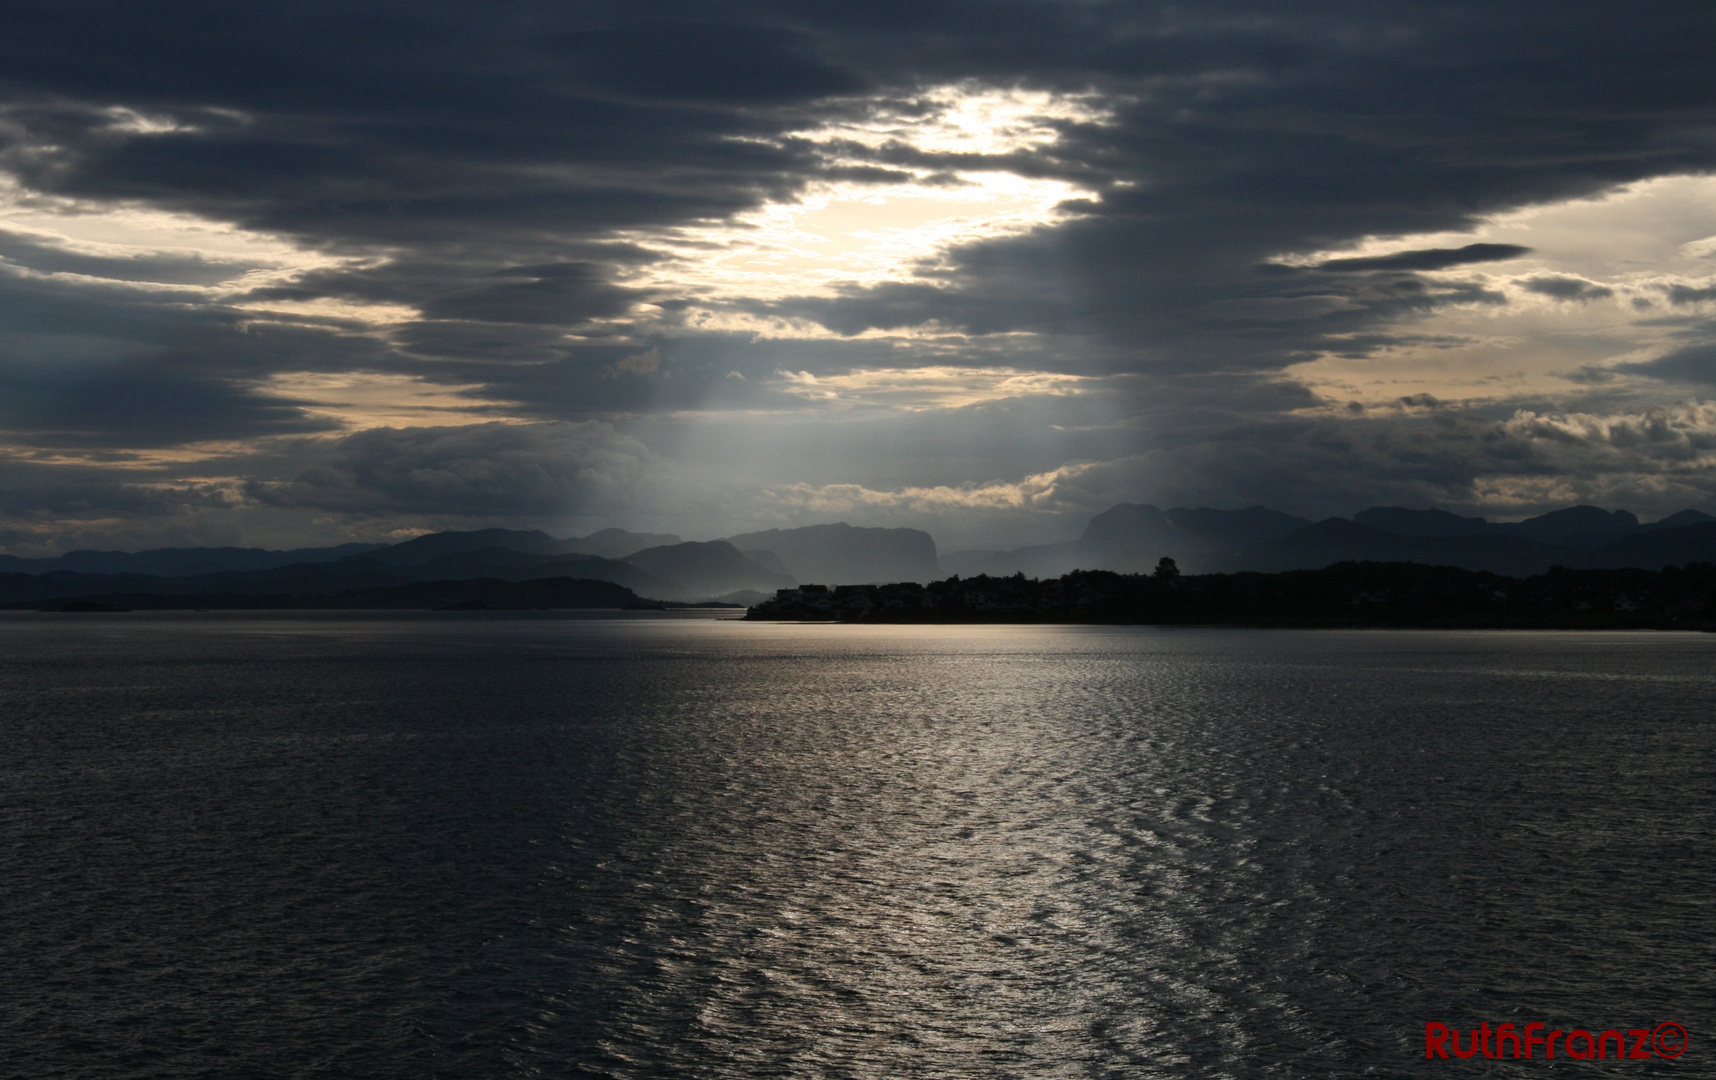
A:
977, 597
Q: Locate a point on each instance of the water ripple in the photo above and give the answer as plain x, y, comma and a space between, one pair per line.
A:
364, 846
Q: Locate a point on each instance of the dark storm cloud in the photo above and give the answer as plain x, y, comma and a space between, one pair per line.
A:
475, 124
1687, 294
558, 294
1566, 288
709, 62
1248, 326
149, 404
1427, 259
899, 305
113, 366
1450, 456
29, 490
484, 470
1694, 364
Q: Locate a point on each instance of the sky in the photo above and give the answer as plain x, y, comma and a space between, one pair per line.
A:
296, 274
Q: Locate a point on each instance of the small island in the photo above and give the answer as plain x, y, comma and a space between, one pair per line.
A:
1345, 595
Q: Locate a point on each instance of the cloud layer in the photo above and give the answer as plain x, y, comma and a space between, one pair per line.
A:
304, 270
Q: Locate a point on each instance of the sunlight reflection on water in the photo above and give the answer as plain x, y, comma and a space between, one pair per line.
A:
502, 846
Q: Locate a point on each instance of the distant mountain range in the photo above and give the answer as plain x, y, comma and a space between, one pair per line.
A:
178, 562
1132, 537
482, 594
651, 565
1129, 538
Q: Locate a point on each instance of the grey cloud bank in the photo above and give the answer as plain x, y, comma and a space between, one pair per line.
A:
292, 274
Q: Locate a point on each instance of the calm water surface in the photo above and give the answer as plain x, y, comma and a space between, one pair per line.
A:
435, 846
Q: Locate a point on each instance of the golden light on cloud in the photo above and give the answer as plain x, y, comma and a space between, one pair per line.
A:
1600, 287
360, 400
133, 122
918, 389
1040, 491
967, 119
334, 309
856, 233
117, 226
1632, 233
146, 459
147, 248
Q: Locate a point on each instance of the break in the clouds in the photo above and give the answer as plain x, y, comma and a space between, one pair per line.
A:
278, 273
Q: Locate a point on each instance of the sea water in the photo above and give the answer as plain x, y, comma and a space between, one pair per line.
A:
375, 845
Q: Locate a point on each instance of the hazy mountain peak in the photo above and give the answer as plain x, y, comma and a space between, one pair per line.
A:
707, 568
1581, 527
1233, 528
423, 548
1682, 518
1432, 522
1141, 529
1124, 521
1585, 515
848, 554
616, 543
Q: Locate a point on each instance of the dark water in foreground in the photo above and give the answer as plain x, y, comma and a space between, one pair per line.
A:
378, 846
